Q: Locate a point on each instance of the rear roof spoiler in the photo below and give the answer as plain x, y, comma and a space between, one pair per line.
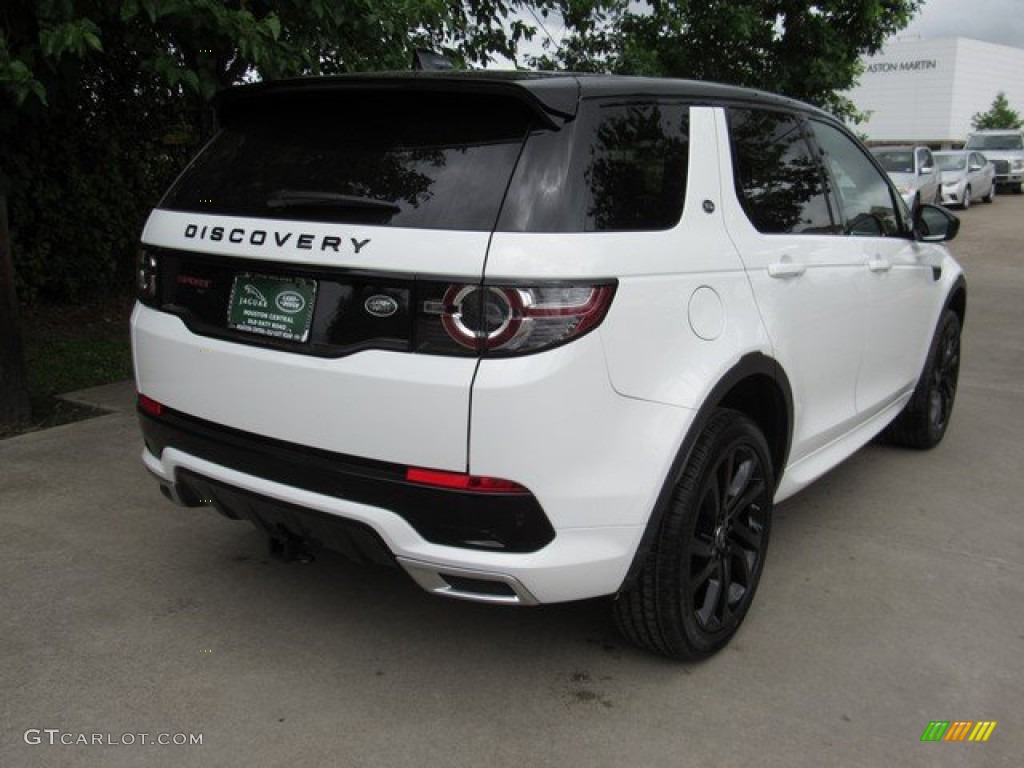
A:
548, 97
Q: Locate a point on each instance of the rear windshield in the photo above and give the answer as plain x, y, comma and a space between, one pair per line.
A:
444, 161
404, 159
995, 141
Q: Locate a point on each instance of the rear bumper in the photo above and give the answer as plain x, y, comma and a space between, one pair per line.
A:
297, 528
334, 437
489, 521
357, 517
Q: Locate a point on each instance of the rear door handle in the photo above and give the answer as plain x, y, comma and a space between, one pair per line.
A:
786, 269
878, 264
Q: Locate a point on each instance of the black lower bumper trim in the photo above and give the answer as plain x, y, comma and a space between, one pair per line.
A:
484, 521
282, 521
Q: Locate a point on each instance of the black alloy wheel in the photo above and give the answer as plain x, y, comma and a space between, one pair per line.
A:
945, 376
701, 575
728, 541
924, 421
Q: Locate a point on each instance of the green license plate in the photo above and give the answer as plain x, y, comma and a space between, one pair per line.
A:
272, 306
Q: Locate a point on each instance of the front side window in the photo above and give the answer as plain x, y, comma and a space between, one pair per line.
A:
780, 185
868, 205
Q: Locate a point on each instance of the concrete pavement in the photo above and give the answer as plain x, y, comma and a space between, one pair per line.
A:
892, 596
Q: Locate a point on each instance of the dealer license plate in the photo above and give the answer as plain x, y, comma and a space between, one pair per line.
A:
272, 306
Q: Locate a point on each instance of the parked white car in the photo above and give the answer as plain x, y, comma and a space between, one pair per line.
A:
537, 338
966, 177
913, 171
1005, 150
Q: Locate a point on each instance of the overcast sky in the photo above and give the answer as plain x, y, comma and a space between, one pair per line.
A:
994, 21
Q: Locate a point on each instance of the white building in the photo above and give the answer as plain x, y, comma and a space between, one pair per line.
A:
927, 91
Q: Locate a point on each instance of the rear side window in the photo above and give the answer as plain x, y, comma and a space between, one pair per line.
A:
399, 158
780, 185
636, 169
619, 167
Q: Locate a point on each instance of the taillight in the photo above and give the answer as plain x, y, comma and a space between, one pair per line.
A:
510, 320
147, 267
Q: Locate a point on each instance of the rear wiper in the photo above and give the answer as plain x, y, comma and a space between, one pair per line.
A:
297, 198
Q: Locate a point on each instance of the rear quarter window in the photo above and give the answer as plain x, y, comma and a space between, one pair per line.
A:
620, 167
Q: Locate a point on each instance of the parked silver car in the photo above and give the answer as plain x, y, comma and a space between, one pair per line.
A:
966, 177
913, 171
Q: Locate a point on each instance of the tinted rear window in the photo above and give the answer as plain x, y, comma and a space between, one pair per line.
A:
444, 161
397, 158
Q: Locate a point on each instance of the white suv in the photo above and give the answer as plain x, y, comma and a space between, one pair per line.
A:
1005, 150
536, 338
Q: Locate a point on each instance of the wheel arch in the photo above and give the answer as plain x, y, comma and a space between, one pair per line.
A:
956, 300
758, 387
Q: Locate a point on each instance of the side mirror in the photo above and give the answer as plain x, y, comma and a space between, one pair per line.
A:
934, 224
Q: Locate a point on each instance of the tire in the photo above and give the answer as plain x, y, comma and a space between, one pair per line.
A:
923, 423
991, 196
967, 198
1018, 188
701, 574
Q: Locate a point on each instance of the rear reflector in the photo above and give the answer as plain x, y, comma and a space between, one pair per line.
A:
150, 406
462, 482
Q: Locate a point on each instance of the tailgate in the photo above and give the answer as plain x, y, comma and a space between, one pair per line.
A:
300, 260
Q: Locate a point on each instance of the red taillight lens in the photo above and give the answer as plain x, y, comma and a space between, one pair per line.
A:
478, 317
461, 481
508, 320
150, 406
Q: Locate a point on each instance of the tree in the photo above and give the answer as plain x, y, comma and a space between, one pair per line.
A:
101, 103
999, 115
803, 49
14, 402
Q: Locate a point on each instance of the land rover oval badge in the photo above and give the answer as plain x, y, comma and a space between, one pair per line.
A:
380, 306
